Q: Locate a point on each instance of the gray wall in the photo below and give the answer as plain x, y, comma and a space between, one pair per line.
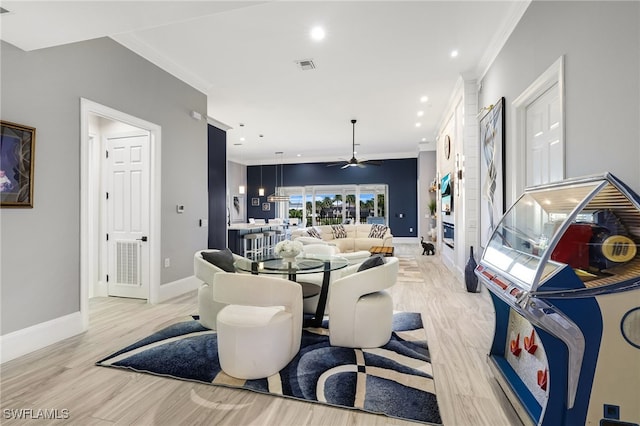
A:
40, 257
427, 171
601, 44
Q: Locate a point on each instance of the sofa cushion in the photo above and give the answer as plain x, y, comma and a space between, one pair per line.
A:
378, 231
313, 232
338, 231
222, 259
372, 262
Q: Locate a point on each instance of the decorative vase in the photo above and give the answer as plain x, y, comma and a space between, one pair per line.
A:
289, 259
470, 278
289, 256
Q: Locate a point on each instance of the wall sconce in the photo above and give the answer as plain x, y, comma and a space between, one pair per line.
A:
241, 189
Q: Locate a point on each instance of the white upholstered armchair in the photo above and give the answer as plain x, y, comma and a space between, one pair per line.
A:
360, 310
260, 328
205, 271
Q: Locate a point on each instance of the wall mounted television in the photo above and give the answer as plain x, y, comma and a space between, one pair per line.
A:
445, 191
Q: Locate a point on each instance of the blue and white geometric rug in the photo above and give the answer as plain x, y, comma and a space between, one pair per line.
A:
395, 380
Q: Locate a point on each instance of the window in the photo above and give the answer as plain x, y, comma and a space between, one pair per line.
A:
328, 205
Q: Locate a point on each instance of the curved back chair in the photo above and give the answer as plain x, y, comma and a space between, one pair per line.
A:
260, 328
205, 271
360, 311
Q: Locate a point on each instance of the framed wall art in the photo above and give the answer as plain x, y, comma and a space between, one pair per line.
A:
492, 165
17, 144
238, 209
266, 207
255, 202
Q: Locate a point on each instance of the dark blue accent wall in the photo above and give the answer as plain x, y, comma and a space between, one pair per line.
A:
217, 184
401, 176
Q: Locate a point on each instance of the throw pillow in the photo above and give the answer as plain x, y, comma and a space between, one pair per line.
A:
372, 262
223, 259
338, 231
313, 232
378, 231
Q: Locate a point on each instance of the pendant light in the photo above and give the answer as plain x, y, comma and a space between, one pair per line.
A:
261, 189
276, 197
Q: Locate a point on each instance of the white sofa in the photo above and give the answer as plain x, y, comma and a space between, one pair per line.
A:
357, 237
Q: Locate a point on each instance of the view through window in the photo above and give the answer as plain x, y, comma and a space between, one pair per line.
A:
329, 205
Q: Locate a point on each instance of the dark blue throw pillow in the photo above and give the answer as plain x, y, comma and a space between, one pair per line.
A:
372, 262
223, 259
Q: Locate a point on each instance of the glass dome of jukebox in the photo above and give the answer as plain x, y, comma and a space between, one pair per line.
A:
590, 224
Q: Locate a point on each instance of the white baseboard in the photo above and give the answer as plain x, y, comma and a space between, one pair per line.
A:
178, 288
22, 342
30, 339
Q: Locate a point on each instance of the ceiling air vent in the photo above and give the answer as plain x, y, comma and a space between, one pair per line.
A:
306, 64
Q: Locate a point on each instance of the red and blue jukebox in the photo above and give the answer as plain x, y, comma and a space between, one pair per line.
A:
563, 271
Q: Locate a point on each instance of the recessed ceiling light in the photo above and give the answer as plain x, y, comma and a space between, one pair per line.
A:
242, 139
299, 155
424, 99
424, 139
317, 33
420, 113
418, 124
454, 53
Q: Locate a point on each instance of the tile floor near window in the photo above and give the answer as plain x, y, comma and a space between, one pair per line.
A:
63, 376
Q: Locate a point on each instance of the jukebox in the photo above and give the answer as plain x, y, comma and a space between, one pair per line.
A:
563, 271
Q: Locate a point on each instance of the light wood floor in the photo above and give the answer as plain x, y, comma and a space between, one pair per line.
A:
459, 329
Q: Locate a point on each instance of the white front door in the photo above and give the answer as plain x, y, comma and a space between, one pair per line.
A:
128, 215
544, 151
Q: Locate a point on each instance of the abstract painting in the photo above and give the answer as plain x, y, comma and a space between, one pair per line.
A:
16, 164
492, 200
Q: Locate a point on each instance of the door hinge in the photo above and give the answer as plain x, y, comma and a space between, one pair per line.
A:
107, 195
106, 154
107, 237
107, 277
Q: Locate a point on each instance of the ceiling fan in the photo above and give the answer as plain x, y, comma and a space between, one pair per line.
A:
354, 162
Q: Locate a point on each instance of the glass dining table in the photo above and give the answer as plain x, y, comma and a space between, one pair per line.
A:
301, 266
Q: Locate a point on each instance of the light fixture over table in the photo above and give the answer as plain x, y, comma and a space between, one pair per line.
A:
276, 197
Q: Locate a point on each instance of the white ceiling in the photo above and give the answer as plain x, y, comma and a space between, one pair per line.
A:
377, 60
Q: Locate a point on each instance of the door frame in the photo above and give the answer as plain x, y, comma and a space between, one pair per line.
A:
554, 74
90, 173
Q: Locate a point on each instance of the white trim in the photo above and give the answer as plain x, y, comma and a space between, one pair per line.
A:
88, 235
515, 13
38, 336
553, 75
178, 288
219, 124
144, 49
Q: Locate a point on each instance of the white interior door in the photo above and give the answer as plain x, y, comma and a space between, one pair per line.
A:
544, 150
128, 215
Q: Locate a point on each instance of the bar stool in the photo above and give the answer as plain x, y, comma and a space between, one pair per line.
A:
280, 234
269, 242
253, 245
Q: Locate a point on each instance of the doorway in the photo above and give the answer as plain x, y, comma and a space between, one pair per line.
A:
538, 123
94, 216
